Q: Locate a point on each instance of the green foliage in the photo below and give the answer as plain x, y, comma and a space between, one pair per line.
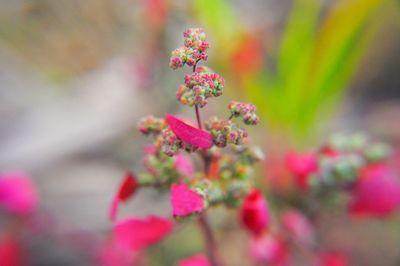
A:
316, 60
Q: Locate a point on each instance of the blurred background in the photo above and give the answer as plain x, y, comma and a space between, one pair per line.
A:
75, 77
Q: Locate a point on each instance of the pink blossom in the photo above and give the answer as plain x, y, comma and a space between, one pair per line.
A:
184, 164
189, 134
185, 201
126, 189
113, 255
377, 192
254, 213
18, 194
302, 166
269, 249
332, 259
10, 252
136, 234
197, 260
298, 225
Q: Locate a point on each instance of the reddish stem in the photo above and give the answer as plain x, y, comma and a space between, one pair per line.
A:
196, 107
211, 247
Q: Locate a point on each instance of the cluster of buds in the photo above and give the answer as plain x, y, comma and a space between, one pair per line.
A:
354, 165
246, 111
151, 125
225, 132
200, 85
340, 161
226, 177
194, 49
171, 144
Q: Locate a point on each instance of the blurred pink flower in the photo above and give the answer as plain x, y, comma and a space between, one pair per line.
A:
126, 189
135, 234
332, 259
189, 134
377, 192
298, 226
197, 260
114, 255
185, 201
10, 252
18, 193
184, 164
301, 166
254, 213
269, 250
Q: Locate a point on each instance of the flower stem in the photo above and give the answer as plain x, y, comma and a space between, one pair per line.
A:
211, 247
196, 107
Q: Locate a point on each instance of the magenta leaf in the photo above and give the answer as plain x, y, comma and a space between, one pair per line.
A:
185, 201
197, 260
189, 134
136, 234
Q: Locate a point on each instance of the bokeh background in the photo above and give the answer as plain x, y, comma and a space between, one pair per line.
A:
75, 77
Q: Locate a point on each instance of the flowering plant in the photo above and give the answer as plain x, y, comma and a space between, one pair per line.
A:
219, 173
222, 144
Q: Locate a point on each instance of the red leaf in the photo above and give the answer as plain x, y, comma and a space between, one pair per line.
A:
192, 135
127, 187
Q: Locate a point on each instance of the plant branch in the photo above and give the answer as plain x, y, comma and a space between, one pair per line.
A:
211, 248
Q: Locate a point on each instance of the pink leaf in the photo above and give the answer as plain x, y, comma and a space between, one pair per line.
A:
298, 225
269, 250
184, 164
189, 134
301, 165
136, 234
377, 192
18, 194
113, 209
185, 201
197, 260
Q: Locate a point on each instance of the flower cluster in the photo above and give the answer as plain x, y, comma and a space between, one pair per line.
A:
354, 165
225, 132
151, 125
246, 111
194, 49
199, 86
225, 178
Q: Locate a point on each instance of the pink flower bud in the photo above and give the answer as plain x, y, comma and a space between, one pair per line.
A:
254, 213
